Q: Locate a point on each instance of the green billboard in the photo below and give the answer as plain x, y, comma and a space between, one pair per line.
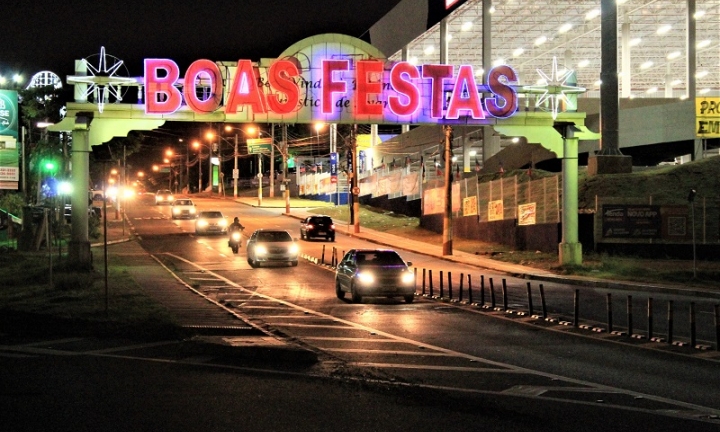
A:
9, 160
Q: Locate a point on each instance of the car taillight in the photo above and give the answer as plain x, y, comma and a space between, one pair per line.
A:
332, 226
309, 226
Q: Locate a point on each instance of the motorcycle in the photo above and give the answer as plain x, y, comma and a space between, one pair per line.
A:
235, 240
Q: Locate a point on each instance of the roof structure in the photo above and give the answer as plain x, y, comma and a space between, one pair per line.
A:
528, 34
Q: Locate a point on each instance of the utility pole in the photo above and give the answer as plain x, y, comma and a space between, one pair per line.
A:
272, 161
236, 173
285, 178
447, 217
355, 190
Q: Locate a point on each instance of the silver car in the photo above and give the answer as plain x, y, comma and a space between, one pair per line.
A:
183, 209
272, 246
374, 273
210, 222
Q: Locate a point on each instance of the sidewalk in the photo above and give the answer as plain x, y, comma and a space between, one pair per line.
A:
299, 209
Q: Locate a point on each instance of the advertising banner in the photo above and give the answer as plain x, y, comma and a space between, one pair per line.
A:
333, 167
707, 117
9, 155
631, 221
526, 214
495, 210
470, 206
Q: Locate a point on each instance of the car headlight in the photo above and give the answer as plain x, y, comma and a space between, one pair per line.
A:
365, 277
192, 210
293, 249
408, 278
202, 223
260, 250
176, 210
170, 198
222, 223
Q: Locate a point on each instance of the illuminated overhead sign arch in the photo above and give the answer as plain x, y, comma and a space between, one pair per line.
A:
345, 91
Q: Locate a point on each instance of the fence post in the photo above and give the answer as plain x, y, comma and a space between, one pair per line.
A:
482, 290
415, 279
717, 327
529, 295
693, 332
470, 299
492, 293
629, 315
608, 301
442, 287
542, 301
322, 259
460, 294
423, 285
431, 282
504, 294
450, 294
650, 318
576, 308
670, 314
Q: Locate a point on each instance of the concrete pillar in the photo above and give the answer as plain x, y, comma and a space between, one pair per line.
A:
570, 249
79, 255
691, 50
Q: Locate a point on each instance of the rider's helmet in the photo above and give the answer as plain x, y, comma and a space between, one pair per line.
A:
236, 220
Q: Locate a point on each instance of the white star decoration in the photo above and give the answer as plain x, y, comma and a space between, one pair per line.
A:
103, 80
555, 89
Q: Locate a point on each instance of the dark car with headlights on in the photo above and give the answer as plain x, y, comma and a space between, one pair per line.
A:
374, 273
317, 226
272, 246
211, 222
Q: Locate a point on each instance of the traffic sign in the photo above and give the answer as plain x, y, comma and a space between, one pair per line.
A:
259, 145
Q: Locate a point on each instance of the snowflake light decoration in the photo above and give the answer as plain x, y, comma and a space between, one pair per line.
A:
103, 80
555, 90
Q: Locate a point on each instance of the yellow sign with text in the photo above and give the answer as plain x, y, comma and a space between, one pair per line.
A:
707, 117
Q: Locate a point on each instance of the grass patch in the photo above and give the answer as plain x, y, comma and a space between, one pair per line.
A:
76, 302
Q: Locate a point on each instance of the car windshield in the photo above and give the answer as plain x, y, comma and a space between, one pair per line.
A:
211, 215
274, 236
378, 258
321, 220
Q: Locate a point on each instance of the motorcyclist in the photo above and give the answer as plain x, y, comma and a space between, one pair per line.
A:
235, 226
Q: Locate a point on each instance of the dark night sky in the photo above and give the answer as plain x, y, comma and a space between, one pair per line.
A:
49, 35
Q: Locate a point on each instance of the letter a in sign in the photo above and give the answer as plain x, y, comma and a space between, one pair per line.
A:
245, 91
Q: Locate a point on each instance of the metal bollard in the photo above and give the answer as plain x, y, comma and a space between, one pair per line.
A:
460, 294
629, 315
504, 294
576, 308
322, 258
650, 318
693, 332
608, 302
529, 295
450, 285
542, 301
670, 314
482, 290
415, 280
423, 286
442, 287
470, 299
492, 293
431, 283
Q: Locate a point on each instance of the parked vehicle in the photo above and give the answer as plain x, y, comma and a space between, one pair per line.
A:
317, 226
272, 246
376, 273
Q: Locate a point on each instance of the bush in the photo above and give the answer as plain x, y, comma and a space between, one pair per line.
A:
12, 203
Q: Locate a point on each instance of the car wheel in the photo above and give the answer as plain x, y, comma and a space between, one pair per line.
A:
356, 298
294, 263
338, 291
409, 298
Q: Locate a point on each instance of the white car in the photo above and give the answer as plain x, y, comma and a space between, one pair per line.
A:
211, 222
272, 246
164, 196
183, 209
